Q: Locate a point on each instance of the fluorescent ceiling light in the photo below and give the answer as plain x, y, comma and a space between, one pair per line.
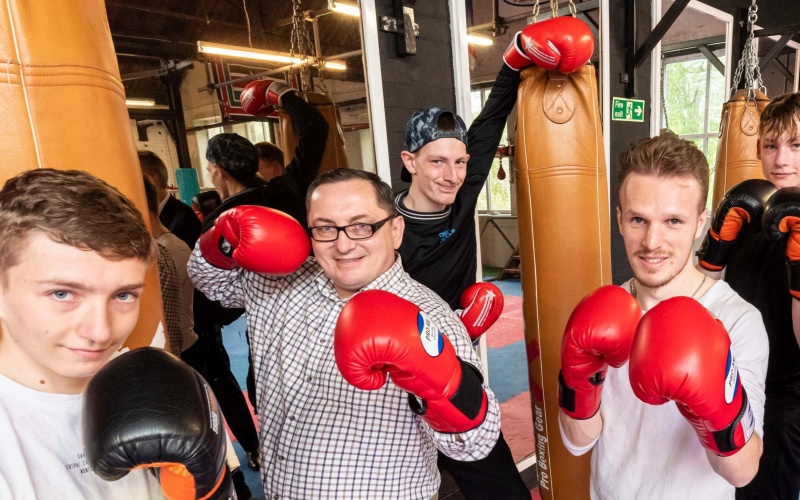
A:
271, 56
479, 40
344, 8
140, 103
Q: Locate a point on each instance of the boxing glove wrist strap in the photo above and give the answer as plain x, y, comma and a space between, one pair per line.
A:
731, 439
714, 253
469, 403
568, 401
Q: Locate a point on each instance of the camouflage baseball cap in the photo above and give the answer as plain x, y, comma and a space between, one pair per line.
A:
234, 153
424, 127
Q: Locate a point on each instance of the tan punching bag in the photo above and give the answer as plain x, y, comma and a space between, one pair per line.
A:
335, 155
63, 107
565, 244
736, 154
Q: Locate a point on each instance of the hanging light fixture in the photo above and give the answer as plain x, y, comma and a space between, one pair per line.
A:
140, 103
479, 40
344, 8
270, 56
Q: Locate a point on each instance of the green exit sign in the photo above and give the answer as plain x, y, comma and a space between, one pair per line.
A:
627, 110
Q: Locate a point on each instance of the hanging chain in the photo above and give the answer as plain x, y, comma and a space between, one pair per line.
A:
535, 11
748, 64
553, 9
302, 46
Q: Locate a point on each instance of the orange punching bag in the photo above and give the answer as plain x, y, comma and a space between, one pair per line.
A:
565, 244
63, 107
738, 135
335, 155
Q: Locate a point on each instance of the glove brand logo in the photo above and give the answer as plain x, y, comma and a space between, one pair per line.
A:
212, 408
431, 339
486, 308
731, 378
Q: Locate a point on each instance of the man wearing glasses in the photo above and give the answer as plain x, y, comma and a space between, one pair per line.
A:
320, 436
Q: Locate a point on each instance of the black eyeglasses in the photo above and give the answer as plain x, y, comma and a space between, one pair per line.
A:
357, 231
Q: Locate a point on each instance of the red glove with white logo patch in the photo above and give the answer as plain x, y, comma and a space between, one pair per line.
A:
563, 43
379, 334
682, 353
263, 97
481, 303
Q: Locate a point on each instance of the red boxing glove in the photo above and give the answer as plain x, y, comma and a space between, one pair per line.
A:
255, 238
599, 333
481, 305
263, 97
682, 353
515, 57
379, 334
564, 43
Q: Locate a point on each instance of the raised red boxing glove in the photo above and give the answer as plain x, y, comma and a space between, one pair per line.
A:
263, 97
564, 43
742, 206
379, 334
481, 305
515, 57
782, 221
682, 353
256, 238
599, 333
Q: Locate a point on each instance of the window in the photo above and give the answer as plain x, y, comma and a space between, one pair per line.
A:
496, 194
694, 91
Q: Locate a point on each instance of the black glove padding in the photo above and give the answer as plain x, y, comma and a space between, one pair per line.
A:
148, 408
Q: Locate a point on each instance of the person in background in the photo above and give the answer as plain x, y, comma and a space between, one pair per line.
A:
755, 265
447, 166
176, 216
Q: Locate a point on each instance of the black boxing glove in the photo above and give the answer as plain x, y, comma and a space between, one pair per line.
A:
782, 222
147, 408
742, 206
204, 203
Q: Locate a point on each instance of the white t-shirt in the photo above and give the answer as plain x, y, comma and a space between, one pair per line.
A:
652, 452
42, 453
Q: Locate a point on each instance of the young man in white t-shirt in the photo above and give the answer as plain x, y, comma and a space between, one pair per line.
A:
665, 449
73, 257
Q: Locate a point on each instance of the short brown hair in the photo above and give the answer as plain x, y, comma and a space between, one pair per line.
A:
74, 208
781, 116
665, 156
269, 152
383, 192
152, 166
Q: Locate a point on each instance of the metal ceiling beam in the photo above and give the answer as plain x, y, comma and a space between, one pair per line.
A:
779, 45
714, 60
174, 15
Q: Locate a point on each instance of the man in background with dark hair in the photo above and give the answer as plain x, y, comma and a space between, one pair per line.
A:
176, 216
270, 160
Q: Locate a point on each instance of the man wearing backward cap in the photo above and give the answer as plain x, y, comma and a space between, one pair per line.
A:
447, 166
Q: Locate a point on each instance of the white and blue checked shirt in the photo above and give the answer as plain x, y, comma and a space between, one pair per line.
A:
322, 438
